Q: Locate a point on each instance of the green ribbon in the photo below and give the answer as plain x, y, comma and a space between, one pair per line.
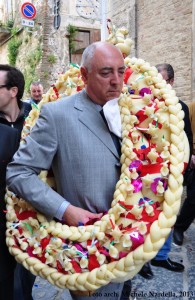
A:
29, 228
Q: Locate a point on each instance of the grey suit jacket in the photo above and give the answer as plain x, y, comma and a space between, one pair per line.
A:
71, 136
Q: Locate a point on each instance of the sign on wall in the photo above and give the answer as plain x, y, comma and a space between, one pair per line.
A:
28, 10
28, 23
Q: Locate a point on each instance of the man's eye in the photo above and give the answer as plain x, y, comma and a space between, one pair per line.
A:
104, 74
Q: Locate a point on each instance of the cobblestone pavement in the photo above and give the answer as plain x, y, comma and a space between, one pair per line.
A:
165, 285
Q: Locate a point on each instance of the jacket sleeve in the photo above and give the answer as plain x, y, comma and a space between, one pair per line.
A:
187, 125
34, 155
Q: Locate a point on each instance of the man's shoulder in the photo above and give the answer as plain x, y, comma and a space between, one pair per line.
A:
27, 100
25, 109
183, 104
27, 106
66, 102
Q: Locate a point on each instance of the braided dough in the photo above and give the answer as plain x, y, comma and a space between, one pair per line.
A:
146, 199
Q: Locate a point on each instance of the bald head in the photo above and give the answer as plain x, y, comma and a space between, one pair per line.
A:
89, 52
102, 70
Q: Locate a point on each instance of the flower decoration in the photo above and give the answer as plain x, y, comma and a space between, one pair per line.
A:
114, 247
159, 185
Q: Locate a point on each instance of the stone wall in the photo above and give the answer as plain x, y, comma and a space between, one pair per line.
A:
3, 54
162, 33
52, 42
55, 41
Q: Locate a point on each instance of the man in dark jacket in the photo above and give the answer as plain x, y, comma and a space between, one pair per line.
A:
12, 110
13, 113
8, 146
36, 92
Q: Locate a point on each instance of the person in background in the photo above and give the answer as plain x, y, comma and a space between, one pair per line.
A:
36, 92
162, 258
187, 212
72, 133
8, 146
13, 113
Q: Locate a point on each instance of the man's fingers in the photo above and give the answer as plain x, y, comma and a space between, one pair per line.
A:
94, 216
100, 215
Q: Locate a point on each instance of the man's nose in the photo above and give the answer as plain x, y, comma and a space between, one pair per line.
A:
116, 78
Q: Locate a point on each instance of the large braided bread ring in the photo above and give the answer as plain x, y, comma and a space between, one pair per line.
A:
146, 199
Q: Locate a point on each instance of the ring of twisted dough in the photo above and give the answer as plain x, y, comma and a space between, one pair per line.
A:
146, 199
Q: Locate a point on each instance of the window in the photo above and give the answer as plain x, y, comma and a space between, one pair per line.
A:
57, 18
83, 38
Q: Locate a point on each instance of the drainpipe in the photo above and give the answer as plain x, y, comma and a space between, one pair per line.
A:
193, 54
136, 30
133, 26
103, 19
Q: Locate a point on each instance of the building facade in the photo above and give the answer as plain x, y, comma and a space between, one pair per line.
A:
162, 31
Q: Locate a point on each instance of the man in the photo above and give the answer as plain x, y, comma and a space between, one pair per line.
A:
72, 137
13, 113
36, 92
8, 146
12, 110
162, 259
187, 212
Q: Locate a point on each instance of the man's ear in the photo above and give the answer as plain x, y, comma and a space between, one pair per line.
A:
84, 74
171, 81
14, 91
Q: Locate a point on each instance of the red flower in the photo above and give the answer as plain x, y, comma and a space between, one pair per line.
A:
93, 262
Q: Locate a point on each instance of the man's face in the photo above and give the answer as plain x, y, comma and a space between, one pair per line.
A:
166, 77
104, 80
5, 94
36, 92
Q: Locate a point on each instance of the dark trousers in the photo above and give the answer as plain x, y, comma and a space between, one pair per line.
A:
23, 283
7, 288
126, 290
187, 213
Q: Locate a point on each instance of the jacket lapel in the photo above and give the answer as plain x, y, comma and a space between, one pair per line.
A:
91, 118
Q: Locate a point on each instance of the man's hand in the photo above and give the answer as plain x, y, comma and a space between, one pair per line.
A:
75, 215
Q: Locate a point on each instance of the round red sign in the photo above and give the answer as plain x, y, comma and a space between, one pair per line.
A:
28, 10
